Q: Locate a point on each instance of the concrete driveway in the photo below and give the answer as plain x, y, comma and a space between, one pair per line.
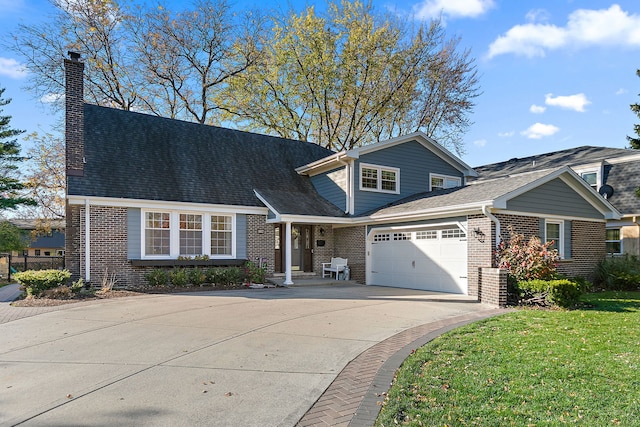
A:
227, 358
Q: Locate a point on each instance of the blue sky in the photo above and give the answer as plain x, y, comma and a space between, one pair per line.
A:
554, 74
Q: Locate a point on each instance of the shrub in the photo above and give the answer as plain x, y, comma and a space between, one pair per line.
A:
527, 260
77, 285
225, 276
618, 273
157, 277
253, 273
562, 292
179, 277
197, 276
37, 281
60, 292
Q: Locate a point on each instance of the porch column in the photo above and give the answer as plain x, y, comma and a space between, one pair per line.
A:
287, 258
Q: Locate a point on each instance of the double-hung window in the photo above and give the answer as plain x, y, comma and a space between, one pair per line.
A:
613, 242
157, 233
221, 235
554, 232
190, 234
383, 179
440, 182
172, 234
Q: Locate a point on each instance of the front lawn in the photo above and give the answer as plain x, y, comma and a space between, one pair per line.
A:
527, 368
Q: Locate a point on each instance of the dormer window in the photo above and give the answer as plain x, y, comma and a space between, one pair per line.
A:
591, 178
382, 179
440, 182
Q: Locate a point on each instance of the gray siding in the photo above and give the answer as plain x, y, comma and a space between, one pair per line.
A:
554, 198
415, 163
134, 231
241, 236
332, 186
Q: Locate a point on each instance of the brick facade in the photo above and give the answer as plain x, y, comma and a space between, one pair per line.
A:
349, 242
479, 250
261, 241
587, 249
322, 253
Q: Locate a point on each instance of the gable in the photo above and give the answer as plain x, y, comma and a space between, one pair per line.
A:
553, 198
414, 163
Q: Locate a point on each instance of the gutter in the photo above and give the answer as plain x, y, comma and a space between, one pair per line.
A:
496, 221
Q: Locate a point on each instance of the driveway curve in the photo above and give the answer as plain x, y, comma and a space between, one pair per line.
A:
228, 358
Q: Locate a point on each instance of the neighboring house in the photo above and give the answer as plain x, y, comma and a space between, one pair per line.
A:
144, 191
613, 172
41, 244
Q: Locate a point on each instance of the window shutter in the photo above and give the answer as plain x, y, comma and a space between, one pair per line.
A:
134, 231
541, 224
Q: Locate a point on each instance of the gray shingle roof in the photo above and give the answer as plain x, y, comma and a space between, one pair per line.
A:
624, 178
137, 156
291, 202
553, 160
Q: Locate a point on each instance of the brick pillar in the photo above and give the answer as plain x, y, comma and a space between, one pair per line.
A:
74, 117
493, 286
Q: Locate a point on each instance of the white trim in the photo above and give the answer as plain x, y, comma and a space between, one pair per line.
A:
87, 240
560, 241
380, 169
174, 233
620, 240
162, 204
597, 171
546, 215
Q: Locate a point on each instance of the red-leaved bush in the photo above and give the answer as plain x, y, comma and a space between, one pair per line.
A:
527, 260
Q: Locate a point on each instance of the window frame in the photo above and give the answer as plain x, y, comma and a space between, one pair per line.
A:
379, 181
444, 181
583, 172
618, 240
175, 231
560, 239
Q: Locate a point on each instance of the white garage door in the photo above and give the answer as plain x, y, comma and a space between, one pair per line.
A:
428, 259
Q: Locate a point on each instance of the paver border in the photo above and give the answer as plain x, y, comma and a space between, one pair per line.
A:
354, 397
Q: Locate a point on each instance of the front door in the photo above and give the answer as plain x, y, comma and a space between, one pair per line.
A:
301, 247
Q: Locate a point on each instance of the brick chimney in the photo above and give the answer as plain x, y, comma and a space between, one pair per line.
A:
74, 117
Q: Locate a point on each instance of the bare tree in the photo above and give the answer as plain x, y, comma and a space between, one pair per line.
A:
187, 57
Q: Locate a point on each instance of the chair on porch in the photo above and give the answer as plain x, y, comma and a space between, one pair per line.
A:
337, 265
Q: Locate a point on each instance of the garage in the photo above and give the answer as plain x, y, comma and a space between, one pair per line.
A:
433, 259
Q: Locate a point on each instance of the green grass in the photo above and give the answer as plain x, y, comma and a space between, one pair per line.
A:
527, 368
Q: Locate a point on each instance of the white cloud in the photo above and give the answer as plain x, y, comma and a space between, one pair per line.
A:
603, 27
537, 109
537, 15
539, 130
506, 134
575, 102
621, 91
480, 142
50, 98
429, 9
11, 68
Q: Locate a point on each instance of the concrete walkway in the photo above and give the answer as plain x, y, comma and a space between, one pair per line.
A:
266, 357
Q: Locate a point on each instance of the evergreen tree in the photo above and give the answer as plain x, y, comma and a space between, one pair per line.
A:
635, 142
10, 186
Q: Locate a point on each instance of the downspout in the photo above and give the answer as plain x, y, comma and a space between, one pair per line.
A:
348, 170
496, 221
87, 242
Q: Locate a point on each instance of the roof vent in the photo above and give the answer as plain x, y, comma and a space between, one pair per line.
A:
606, 191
